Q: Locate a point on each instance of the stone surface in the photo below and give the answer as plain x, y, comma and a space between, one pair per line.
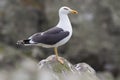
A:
54, 70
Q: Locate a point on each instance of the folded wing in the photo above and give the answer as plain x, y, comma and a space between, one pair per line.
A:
49, 37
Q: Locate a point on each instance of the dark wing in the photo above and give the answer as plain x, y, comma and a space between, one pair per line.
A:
53, 30
50, 37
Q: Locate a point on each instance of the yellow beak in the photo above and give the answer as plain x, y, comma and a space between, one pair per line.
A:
74, 12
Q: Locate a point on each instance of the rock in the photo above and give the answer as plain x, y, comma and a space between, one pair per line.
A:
51, 69
105, 76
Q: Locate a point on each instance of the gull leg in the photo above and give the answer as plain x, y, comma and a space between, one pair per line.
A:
56, 53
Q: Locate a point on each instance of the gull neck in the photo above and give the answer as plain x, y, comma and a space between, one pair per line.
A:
64, 22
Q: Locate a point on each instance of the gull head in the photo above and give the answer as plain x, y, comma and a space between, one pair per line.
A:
67, 10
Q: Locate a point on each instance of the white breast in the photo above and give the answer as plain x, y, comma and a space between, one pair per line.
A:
62, 42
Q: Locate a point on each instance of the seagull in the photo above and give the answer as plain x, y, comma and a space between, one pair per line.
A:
53, 37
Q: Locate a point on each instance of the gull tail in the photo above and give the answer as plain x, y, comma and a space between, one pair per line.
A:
23, 42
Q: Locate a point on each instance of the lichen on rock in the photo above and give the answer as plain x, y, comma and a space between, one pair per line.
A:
53, 69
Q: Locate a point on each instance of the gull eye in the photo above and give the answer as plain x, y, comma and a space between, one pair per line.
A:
66, 8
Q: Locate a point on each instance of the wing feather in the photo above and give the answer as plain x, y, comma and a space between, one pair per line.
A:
50, 37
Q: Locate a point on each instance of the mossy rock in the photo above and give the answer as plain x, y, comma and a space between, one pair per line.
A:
54, 70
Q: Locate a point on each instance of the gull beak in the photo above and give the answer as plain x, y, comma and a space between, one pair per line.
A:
74, 12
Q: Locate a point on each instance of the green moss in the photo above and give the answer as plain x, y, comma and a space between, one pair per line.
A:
58, 67
1, 48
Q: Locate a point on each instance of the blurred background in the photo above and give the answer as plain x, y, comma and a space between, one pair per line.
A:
95, 40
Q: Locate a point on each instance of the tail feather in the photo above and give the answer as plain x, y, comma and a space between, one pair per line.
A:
22, 42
